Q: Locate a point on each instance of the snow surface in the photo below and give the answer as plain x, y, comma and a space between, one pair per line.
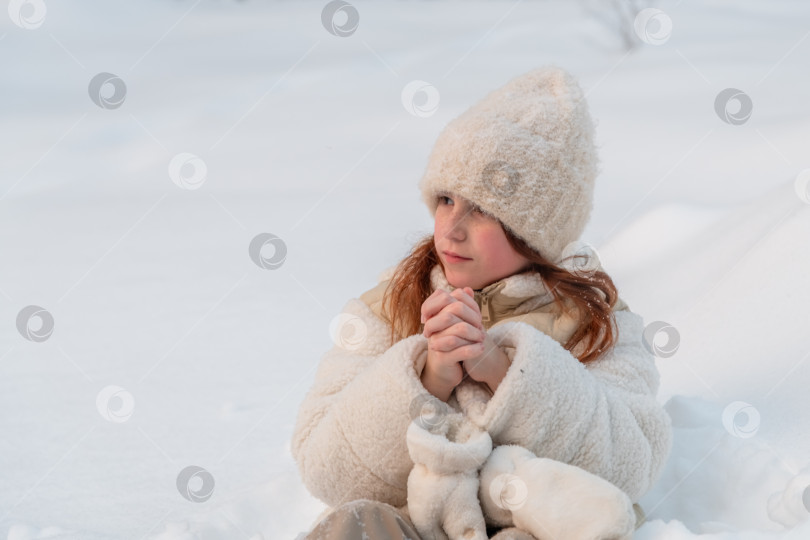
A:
304, 135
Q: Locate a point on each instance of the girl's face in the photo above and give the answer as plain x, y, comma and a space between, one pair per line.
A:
464, 229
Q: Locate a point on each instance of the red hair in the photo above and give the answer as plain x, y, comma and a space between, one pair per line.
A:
593, 296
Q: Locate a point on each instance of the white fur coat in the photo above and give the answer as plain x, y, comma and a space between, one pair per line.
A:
349, 439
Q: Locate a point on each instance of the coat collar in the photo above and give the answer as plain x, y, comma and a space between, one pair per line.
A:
520, 286
512, 295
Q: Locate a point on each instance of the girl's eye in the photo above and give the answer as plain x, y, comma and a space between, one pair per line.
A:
444, 199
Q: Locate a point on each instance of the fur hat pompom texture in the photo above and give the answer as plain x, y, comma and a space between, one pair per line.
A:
524, 154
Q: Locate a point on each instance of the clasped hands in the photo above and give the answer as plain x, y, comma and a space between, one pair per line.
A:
458, 343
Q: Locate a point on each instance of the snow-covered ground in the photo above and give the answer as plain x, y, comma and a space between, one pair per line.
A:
171, 348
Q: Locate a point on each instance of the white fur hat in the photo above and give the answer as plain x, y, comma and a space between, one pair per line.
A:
524, 154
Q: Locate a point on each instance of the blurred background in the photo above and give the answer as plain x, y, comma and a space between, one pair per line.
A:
191, 191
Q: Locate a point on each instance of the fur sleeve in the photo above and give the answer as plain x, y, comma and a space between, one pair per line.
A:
349, 439
603, 418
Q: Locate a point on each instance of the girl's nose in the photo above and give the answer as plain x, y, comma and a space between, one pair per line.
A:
458, 225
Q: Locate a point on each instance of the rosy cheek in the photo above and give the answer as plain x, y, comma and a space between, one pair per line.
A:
488, 242
496, 251
438, 223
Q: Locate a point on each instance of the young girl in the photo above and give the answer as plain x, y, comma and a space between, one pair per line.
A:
490, 384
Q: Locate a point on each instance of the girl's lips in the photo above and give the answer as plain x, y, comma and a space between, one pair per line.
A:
455, 258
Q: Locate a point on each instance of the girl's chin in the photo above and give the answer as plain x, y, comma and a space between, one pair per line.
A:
458, 280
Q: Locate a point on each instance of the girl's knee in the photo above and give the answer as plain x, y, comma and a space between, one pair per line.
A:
364, 518
367, 507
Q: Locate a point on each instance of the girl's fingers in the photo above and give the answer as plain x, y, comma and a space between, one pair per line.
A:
434, 304
466, 295
438, 326
465, 309
453, 314
440, 299
450, 343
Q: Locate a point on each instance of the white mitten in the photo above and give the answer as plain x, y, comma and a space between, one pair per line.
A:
443, 484
551, 499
